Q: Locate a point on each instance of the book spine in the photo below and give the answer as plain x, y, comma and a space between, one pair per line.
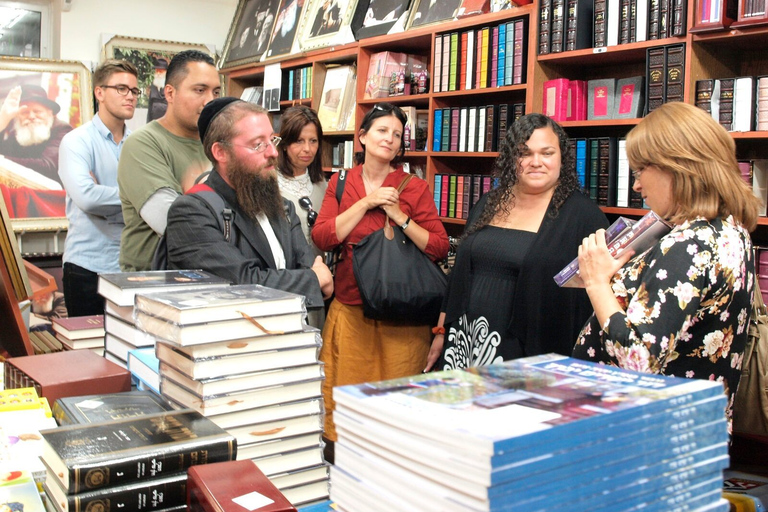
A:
494, 69
472, 130
600, 22
656, 75
436, 196
675, 81
467, 196
482, 119
463, 129
501, 65
726, 103
446, 68
459, 196
445, 141
679, 9
437, 70
653, 23
477, 181
594, 166
497, 126
478, 59
463, 75
437, 130
454, 143
632, 21
485, 57
624, 22
469, 63
453, 78
704, 94
663, 19
509, 61
743, 104
518, 68
761, 123
571, 20
444, 191
557, 31
545, 24
155, 494
452, 196
147, 463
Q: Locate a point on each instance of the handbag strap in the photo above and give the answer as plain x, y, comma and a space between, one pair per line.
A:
758, 305
389, 232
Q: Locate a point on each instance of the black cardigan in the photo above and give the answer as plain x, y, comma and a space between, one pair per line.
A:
545, 317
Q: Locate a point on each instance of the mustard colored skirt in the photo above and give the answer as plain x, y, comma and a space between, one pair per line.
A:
357, 349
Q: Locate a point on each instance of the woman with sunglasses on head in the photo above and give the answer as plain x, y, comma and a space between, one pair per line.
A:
681, 307
355, 348
299, 163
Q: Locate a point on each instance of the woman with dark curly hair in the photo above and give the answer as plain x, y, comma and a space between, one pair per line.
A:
502, 301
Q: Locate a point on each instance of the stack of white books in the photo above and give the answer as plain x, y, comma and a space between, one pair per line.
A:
119, 290
244, 357
537, 434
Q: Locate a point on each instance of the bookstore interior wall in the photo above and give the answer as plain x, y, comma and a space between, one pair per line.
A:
649, 52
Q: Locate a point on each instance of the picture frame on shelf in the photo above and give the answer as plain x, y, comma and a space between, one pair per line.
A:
151, 58
58, 94
249, 34
286, 26
378, 17
326, 23
749, 13
429, 12
714, 16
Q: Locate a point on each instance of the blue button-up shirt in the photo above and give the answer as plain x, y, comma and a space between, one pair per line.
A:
88, 159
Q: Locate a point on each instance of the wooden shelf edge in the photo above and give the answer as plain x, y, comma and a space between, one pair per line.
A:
578, 55
395, 100
482, 154
600, 123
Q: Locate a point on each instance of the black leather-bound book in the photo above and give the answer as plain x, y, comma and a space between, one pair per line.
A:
73, 410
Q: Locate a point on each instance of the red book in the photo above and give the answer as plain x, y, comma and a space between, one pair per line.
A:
444, 193
79, 327
555, 101
577, 100
518, 58
478, 58
463, 72
460, 197
68, 373
235, 486
494, 55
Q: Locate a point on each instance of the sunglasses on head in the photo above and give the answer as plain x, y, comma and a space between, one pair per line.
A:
306, 205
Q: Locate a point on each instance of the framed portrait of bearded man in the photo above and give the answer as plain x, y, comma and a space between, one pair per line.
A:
40, 102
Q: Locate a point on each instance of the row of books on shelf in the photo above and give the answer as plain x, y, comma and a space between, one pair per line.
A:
740, 104
342, 154
665, 75
607, 98
473, 129
493, 56
297, 84
603, 171
755, 173
566, 25
396, 74
456, 194
415, 129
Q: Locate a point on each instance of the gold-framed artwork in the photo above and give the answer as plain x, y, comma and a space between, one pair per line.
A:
151, 58
326, 22
249, 33
428, 12
42, 100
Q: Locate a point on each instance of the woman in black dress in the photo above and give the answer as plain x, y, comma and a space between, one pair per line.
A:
502, 301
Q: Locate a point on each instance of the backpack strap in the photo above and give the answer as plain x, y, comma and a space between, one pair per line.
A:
215, 202
340, 185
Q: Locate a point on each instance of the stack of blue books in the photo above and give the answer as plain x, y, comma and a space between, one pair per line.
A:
536, 434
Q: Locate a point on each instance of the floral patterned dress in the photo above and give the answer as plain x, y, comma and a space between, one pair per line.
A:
479, 336
687, 302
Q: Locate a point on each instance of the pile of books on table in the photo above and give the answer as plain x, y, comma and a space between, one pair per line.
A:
80, 332
132, 464
244, 357
537, 434
119, 290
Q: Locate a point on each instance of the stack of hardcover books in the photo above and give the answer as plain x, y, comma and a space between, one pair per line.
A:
119, 290
136, 463
80, 332
244, 357
537, 434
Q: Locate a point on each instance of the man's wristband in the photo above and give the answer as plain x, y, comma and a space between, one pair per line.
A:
438, 330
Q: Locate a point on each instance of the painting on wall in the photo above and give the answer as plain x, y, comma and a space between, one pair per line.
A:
249, 35
42, 100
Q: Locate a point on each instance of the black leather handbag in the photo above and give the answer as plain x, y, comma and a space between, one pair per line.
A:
397, 281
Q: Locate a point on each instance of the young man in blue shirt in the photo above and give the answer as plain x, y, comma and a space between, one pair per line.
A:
88, 159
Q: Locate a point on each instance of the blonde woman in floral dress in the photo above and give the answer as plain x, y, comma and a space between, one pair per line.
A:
682, 307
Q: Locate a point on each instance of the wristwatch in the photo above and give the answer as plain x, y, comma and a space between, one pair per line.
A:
405, 224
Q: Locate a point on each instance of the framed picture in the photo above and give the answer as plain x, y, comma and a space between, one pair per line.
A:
377, 17
42, 100
429, 12
151, 58
248, 37
326, 22
286, 27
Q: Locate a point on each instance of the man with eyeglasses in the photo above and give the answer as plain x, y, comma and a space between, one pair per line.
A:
30, 132
88, 169
266, 244
162, 159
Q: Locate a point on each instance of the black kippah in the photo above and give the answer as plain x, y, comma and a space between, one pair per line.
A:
210, 111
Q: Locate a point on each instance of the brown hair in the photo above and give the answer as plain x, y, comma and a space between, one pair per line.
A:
686, 142
294, 120
109, 67
222, 127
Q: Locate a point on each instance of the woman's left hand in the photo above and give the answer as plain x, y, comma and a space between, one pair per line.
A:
596, 265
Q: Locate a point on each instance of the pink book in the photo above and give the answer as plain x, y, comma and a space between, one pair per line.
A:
577, 100
555, 103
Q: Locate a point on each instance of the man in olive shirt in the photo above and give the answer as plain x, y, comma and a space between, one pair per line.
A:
162, 159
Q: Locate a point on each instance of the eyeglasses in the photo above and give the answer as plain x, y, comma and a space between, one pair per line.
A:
258, 148
636, 174
123, 90
306, 205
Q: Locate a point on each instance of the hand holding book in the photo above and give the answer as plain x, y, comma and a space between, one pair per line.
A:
597, 265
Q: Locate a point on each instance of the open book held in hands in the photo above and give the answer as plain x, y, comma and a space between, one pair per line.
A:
623, 234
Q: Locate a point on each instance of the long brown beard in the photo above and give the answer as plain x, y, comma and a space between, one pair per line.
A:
256, 193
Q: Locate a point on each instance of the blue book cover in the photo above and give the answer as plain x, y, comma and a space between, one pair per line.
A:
437, 139
501, 64
492, 409
290, 84
510, 54
581, 162
145, 366
438, 183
